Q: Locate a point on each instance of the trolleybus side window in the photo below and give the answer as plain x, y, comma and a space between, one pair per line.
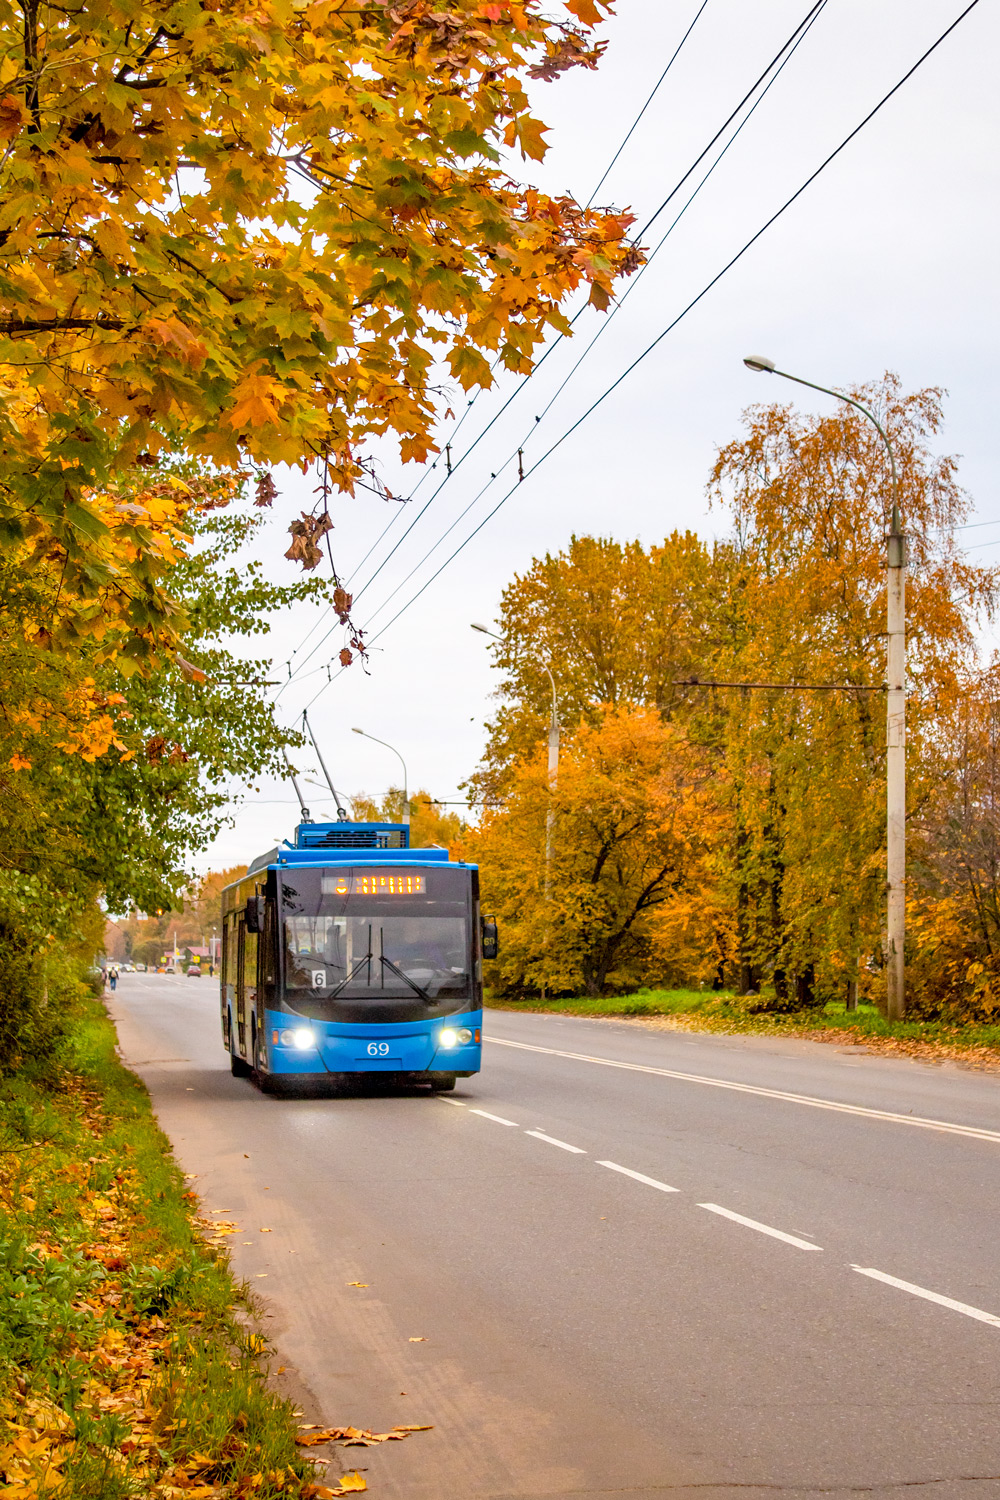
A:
224, 964
249, 975
269, 959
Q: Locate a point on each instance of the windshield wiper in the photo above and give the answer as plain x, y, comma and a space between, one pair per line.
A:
360, 964
397, 970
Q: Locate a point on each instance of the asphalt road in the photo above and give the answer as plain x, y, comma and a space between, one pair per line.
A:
619, 1262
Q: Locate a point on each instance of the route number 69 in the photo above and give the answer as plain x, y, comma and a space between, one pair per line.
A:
378, 1049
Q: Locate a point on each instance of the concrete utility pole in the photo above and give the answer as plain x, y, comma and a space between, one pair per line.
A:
550, 816
895, 780
402, 762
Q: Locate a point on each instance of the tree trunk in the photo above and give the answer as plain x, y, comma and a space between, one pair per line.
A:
805, 988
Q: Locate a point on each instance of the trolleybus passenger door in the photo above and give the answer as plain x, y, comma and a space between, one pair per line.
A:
241, 992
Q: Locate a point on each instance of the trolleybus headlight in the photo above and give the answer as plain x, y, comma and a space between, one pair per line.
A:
301, 1037
450, 1037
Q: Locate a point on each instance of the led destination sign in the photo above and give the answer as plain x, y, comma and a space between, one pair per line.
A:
378, 883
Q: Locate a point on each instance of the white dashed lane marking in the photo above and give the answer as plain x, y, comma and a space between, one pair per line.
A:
497, 1119
727, 1213
541, 1136
638, 1176
975, 1132
776, 1234
921, 1291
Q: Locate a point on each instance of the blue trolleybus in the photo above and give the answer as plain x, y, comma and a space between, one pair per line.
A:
348, 953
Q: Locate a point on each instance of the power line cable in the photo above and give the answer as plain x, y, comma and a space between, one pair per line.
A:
628, 135
470, 404
726, 123
792, 42
675, 321
656, 88
818, 4
605, 324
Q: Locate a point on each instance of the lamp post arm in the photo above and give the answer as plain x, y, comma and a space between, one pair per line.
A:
402, 762
827, 391
895, 777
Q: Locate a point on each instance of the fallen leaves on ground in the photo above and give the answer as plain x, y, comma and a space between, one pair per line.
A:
350, 1484
355, 1437
116, 1317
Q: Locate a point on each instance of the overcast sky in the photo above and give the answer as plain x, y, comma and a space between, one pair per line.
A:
884, 263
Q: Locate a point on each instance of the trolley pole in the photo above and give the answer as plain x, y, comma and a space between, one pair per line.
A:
895, 769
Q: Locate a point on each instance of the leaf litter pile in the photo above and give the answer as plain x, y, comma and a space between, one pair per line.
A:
126, 1368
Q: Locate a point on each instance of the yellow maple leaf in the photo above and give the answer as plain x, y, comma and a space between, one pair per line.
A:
256, 403
351, 1484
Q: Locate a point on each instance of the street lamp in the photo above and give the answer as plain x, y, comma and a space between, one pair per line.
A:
553, 760
895, 779
402, 762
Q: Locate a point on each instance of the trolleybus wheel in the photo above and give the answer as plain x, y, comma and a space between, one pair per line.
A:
443, 1083
266, 1082
237, 1066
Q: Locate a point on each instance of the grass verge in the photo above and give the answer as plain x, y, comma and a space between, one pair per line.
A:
700, 1010
128, 1363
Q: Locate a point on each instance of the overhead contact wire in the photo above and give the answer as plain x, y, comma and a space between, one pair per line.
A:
792, 42
675, 321
607, 321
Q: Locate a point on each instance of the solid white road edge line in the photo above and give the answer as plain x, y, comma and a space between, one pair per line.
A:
748, 1088
776, 1234
920, 1291
639, 1176
497, 1119
541, 1136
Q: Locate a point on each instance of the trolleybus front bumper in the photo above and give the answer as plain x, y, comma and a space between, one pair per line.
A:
298, 1047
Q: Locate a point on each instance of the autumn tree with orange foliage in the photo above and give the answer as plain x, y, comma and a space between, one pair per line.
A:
794, 594
807, 497
954, 908
261, 233
634, 820
234, 233
109, 782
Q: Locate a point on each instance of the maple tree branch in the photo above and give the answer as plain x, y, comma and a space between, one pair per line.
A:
52, 325
144, 55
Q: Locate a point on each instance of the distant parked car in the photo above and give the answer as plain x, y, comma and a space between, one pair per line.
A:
170, 969
140, 968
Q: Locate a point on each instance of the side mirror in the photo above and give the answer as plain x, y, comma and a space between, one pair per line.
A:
491, 941
254, 916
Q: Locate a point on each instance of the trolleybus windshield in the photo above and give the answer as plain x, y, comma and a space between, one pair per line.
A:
382, 934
